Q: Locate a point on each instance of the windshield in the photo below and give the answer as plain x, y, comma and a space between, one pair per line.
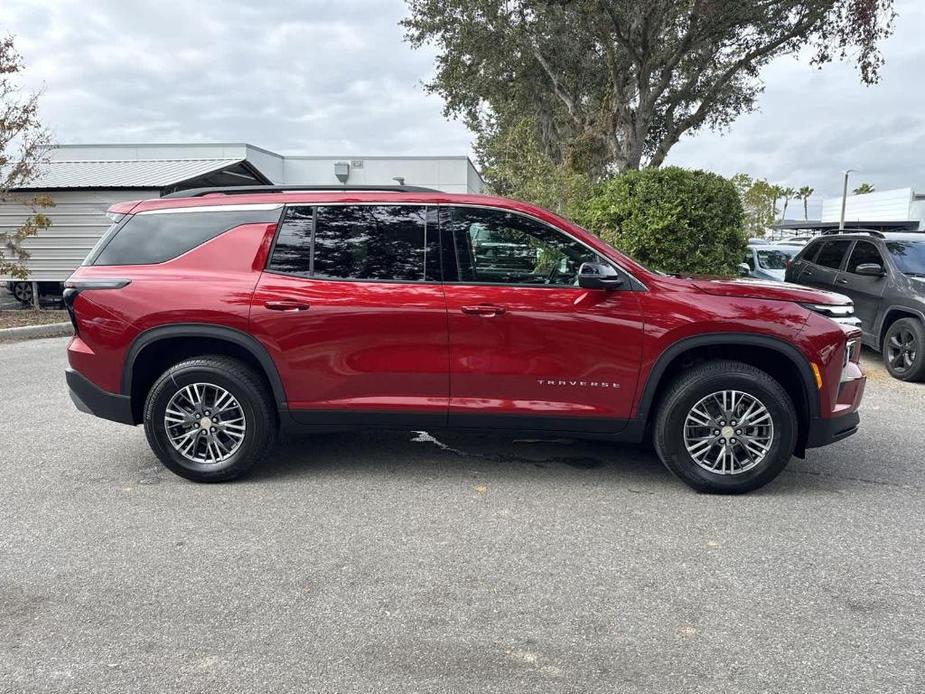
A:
909, 256
775, 259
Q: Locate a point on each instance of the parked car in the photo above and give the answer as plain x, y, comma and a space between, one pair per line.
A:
767, 262
884, 273
217, 318
22, 291
797, 241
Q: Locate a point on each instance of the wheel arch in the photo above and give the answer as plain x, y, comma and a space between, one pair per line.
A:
144, 362
781, 360
891, 315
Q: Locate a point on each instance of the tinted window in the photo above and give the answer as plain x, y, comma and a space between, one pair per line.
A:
864, 252
809, 252
358, 242
505, 248
909, 256
155, 237
831, 253
292, 252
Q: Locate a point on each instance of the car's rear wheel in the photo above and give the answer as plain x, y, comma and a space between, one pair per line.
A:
904, 350
725, 427
209, 419
22, 291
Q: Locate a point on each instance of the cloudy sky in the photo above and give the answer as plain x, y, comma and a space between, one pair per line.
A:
334, 77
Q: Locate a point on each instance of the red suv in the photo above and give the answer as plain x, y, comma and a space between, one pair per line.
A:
218, 318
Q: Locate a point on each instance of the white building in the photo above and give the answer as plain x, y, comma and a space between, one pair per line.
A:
84, 180
881, 208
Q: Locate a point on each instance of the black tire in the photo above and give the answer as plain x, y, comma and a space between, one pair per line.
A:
903, 350
251, 394
22, 291
700, 382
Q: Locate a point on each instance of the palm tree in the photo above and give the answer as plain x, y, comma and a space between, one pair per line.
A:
788, 193
804, 193
777, 192
863, 189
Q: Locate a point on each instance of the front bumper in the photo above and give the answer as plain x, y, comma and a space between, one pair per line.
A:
822, 432
93, 400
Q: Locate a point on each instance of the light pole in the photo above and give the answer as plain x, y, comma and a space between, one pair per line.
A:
844, 199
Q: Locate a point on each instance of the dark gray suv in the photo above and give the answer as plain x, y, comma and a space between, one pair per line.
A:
884, 273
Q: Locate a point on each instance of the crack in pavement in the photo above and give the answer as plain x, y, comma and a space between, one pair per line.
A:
582, 462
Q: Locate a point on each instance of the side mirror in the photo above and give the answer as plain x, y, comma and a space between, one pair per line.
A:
870, 270
598, 276
744, 270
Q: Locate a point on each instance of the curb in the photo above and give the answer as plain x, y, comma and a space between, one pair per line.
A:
35, 332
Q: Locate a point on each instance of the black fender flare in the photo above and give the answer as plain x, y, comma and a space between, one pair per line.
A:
215, 332
745, 339
899, 308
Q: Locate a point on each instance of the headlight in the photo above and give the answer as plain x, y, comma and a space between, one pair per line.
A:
852, 354
840, 313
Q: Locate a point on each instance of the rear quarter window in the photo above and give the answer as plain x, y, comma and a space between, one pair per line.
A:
832, 253
160, 235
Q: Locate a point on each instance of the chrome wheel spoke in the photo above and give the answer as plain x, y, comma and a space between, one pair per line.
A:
735, 439
205, 423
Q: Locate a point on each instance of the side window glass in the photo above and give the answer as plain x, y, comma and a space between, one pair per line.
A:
358, 242
156, 236
292, 253
498, 247
864, 252
831, 254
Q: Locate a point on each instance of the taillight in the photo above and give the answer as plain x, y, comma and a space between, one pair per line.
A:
74, 287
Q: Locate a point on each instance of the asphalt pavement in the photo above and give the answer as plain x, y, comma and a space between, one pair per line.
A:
400, 562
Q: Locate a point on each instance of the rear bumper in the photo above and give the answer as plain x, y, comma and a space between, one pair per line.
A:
822, 432
93, 400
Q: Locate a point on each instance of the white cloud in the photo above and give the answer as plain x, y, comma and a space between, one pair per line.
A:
333, 76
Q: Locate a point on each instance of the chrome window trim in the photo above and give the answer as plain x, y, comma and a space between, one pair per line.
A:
213, 208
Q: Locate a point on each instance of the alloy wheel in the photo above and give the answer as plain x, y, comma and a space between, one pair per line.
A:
205, 423
23, 292
901, 350
728, 432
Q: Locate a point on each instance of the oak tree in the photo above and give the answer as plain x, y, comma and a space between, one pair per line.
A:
614, 84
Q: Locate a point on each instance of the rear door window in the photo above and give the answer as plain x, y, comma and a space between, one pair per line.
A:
391, 243
832, 253
156, 236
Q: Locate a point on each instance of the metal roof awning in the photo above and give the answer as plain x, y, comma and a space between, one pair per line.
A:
135, 173
816, 225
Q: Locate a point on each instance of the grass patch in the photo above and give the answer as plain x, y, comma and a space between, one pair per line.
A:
20, 318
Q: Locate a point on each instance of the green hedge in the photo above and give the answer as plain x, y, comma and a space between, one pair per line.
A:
670, 219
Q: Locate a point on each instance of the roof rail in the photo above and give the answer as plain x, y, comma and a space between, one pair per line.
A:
244, 190
872, 232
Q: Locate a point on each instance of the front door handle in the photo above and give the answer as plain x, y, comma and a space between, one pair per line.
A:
483, 310
286, 305
841, 281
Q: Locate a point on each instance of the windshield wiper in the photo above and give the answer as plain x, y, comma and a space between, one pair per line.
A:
915, 274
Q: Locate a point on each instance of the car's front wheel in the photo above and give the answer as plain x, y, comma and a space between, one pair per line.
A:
209, 419
904, 350
725, 427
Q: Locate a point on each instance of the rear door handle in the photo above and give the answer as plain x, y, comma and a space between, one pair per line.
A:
841, 281
483, 310
286, 305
